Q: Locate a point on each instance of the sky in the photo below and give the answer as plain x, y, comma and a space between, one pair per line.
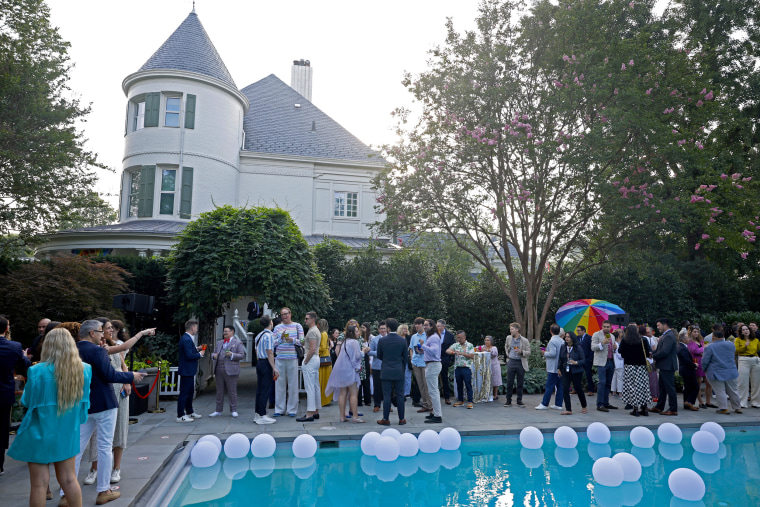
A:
359, 52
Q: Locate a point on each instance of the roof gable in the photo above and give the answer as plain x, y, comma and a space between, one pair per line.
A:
274, 124
189, 48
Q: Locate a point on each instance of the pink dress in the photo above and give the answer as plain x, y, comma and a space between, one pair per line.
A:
495, 368
696, 352
344, 373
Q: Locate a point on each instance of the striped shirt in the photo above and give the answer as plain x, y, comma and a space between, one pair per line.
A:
264, 342
287, 350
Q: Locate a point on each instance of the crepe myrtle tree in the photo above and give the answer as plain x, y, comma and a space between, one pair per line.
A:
558, 129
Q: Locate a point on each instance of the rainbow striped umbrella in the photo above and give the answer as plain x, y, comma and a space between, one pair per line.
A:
589, 313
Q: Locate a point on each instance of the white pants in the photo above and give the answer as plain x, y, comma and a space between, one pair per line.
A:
725, 391
105, 422
310, 372
617, 380
432, 370
286, 386
749, 373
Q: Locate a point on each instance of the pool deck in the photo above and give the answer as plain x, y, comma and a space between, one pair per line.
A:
154, 440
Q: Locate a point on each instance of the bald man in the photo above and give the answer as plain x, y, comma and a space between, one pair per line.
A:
41, 325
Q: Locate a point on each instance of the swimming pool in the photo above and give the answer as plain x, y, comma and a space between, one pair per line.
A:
494, 471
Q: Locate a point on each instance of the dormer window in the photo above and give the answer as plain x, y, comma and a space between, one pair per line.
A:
172, 112
138, 122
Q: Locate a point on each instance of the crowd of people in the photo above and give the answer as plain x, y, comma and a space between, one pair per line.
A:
77, 382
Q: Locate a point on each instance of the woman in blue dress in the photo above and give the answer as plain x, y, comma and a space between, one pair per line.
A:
57, 396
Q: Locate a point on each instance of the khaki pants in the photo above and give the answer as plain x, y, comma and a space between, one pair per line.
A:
725, 391
419, 374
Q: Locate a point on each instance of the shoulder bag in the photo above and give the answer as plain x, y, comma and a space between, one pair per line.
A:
646, 361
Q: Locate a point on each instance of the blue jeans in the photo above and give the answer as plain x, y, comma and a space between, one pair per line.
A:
552, 381
463, 375
605, 374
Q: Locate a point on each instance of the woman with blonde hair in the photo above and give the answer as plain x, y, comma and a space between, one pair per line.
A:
57, 396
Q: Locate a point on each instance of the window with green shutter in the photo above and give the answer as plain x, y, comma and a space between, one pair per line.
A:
147, 189
190, 112
152, 109
186, 195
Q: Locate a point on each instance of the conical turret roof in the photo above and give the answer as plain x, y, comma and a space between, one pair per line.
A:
189, 48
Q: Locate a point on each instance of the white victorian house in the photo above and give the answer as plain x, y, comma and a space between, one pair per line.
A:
193, 140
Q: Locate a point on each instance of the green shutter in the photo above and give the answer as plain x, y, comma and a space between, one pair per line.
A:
152, 108
190, 113
126, 120
147, 189
186, 196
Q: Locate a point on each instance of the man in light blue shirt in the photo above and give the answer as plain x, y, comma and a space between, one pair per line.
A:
551, 354
377, 383
418, 365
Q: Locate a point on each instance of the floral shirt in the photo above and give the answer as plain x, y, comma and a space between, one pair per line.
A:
467, 348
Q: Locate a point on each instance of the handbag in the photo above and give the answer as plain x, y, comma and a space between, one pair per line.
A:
324, 360
646, 362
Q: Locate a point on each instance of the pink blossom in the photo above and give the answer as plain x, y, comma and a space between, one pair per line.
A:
700, 103
630, 63
623, 67
606, 60
649, 91
720, 240
723, 176
711, 220
709, 95
677, 198
730, 213
747, 179
744, 255
696, 247
616, 91
739, 186
705, 236
704, 90
673, 92
736, 176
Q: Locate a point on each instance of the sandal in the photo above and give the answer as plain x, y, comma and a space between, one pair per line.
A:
584, 411
343, 419
357, 420
566, 412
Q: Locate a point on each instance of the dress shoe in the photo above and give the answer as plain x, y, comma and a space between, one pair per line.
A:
611, 407
689, 406
434, 420
602, 409
305, 419
738, 411
418, 404
429, 416
384, 422
106, 496
520, 404
423, 410
401, 422
316, 416
628, 406
669, 412
724, 411
635, 412
376, 409
655, 410
447, 401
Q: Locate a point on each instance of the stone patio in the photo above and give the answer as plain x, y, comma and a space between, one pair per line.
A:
156, 438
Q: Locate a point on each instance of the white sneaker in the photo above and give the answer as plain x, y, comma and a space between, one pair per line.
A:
555, 407
92, 476
185, 418
115, 475
269, 420
541, 406
260, 420
195, 415
215, 414
235, 414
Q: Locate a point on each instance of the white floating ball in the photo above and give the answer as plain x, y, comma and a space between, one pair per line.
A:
566, 458
429, 462
204, 478
565, 437
235, 468
598, 433
705, 442
671, 452
429, 441
263, 446
686, 484
387, 449
531, 438
716, 429
532, 458
387, 471
368, 443
391, 432
204, 454
237, 446
630, 465
596, 451
304, 446
262, 467
669, 433
214, 439
450, 439
708, 463
642, 437
369, 465
407, 445
608, 472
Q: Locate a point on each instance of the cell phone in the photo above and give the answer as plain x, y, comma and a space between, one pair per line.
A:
123, 393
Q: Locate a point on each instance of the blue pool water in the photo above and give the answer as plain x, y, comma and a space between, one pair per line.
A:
494, 471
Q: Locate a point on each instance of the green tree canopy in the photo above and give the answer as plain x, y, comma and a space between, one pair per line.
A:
234, 252
44, 164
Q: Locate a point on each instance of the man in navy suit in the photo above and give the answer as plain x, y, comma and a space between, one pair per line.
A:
188, 368
103, 404
447, 340
12, 358
584, 340
392, 351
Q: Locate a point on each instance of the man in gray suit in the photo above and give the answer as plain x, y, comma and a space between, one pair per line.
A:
392, 351
666, 360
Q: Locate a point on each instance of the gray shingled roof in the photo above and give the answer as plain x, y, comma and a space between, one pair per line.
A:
144, 226
189, 48
355, 243
274, 125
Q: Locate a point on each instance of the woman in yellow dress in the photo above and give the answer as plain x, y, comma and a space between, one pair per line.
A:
325, 362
